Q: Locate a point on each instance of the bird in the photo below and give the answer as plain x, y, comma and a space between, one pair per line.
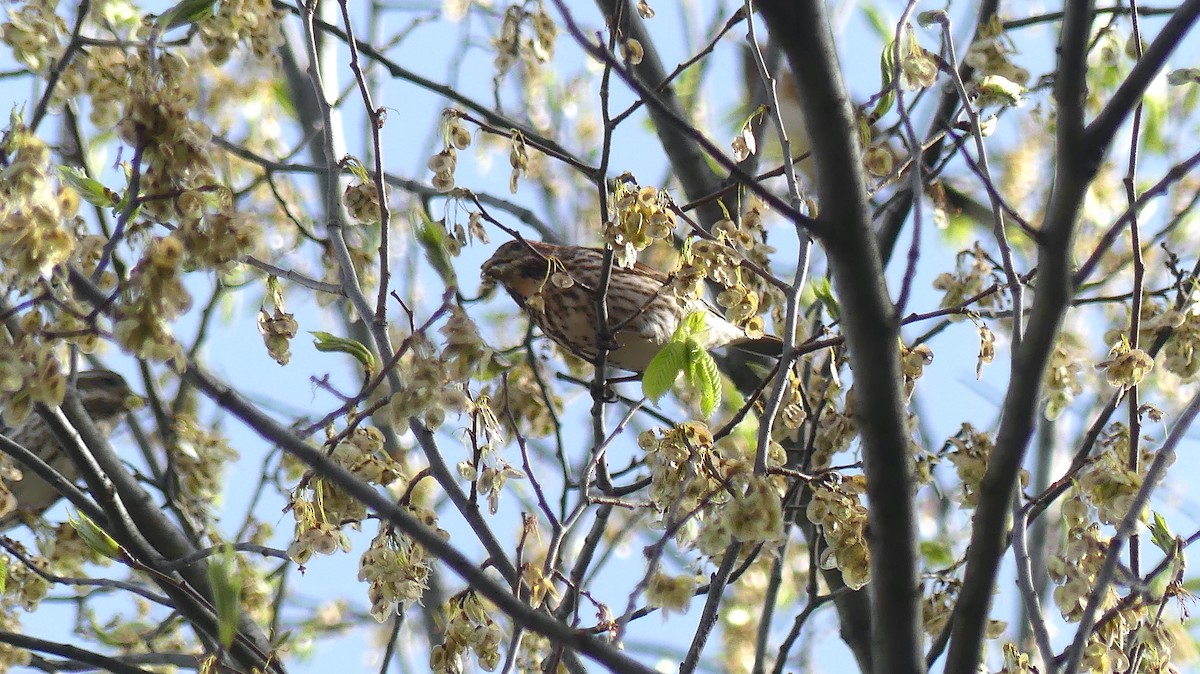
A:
557, 287
106, 397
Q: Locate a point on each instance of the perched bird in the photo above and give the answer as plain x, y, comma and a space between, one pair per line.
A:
106, 397
557, 287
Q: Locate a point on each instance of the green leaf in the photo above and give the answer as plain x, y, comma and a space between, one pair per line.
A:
432, 238
90, 189
227, 590
663, 370
96, 538
691, 325
1161, 534
3, 574
704, 375
887, 70
937, 553
184, 13
332, 343
877, 21
823, 291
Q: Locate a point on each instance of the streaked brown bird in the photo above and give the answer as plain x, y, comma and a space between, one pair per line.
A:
557, 286
106, 397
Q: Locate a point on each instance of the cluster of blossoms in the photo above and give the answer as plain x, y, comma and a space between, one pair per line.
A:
216, 239
967, 282
710, 492
200, 456
912, 365
468, 628
937, 607
465, 352
361, 199
486, 469
426, 391
1017, 661
455, 137
396, 568
1125, 366
671, 593
24, 587
534, 654
323, 508
178, 181
10, 471
29, 372
35, 34
1181, 355
258, 583
525, 400
514, 43
971, 449
33, 210
153, 297
991, 53
257, 22
1107, 482
518, 159
741, 299
1075, 569
278, 327
741, 296
751, 242
362, 245
1154, 317
640, 216
162, 93
836, 428
1062, 382
837, 511
792, 415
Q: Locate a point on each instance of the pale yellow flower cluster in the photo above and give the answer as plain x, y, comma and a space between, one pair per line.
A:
201, 456
34, 211
640, 216
256, 22
468, 628
324, 508
710, 492
970, 458
397, 570
455, 137
837, 511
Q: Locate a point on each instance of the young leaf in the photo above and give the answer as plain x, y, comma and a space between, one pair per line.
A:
327, 342
432, 238
710, 391
90, 189
1161, 534
691, 325
96, 538
227, 588
663, 370
704, 375
824, 293
184, 13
